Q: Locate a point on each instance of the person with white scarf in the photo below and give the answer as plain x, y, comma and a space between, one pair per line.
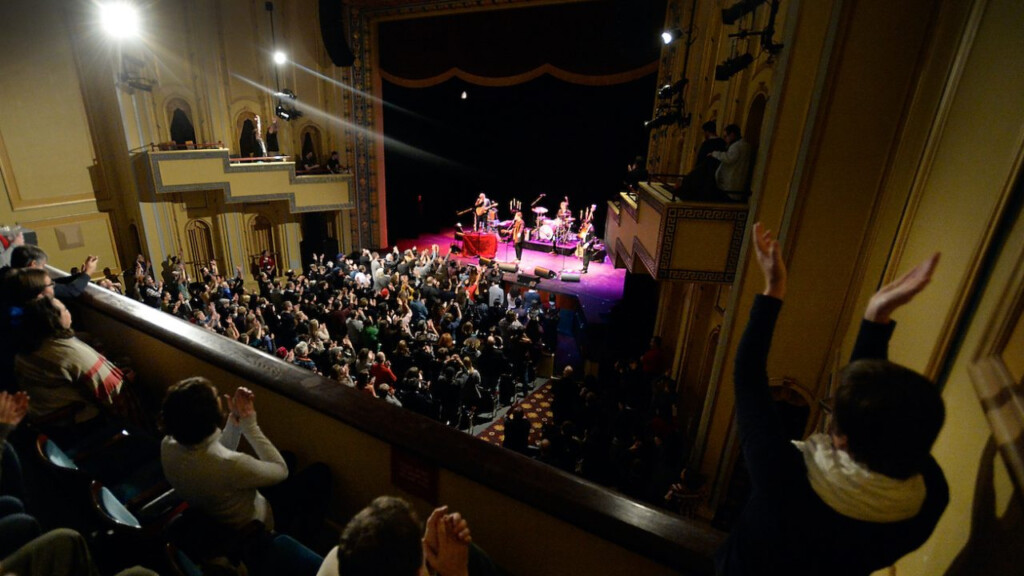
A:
855, 499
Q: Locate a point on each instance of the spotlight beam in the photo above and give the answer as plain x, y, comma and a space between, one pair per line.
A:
397, 145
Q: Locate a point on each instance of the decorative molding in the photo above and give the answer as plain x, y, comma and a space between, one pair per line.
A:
549, 69
629, 206
626, 255
14, 193
645, 257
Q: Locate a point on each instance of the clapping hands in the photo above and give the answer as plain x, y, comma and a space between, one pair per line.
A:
241, 404
446, 543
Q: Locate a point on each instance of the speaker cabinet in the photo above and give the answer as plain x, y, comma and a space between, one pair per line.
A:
332, 30
544, 272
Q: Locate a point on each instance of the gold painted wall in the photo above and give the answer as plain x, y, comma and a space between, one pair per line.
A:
46, 150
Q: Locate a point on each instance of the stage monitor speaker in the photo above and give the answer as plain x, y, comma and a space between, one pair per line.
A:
484, 261
528, 279
332, 30
544, 272
508, 267
570, 277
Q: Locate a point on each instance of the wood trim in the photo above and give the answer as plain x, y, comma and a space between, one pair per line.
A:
1001, 392
680, 543
917, 193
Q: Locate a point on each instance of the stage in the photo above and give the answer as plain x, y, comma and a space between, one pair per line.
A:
597, 291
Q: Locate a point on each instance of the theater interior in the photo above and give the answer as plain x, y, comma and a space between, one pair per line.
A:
881, 132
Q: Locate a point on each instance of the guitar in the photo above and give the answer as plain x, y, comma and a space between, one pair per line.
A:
483, 208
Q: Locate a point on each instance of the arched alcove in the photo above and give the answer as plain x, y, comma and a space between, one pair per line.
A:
181, 128
199, 243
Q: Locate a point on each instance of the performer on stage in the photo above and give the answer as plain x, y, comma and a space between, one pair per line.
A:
586, 229
564, 214
589, 251
480, 208
518, 234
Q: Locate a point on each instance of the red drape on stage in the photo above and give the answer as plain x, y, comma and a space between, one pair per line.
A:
480, 244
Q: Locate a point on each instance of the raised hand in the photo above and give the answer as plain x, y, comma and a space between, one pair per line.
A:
241, 404
451, 557
900, 291
13, 407
769, 258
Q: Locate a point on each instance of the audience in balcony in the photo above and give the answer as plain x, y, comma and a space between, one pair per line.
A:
69, 381
386, 538
203, 465
733, 174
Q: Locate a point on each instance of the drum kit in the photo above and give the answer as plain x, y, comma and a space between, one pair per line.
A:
552, 229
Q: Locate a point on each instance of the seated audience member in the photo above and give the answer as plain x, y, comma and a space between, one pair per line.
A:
61, 372
334, 163
385, 539
860, 497
29, 256
203, 465
16, 527
202, 462
733, 174
60, 552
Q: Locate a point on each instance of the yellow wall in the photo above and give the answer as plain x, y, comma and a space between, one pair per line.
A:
46, 149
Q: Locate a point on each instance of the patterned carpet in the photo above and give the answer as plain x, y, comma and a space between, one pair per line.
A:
536, 406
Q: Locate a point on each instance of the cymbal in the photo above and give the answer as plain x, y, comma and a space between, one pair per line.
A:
540, 210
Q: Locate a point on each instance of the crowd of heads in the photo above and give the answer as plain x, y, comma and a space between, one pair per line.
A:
414, 328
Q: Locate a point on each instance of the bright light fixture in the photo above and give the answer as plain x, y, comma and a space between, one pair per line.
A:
119, 19
464, 95
279, 57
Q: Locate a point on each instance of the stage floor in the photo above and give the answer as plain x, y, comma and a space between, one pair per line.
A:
597, 291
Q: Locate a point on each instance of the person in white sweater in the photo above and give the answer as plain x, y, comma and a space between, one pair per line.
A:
201, 461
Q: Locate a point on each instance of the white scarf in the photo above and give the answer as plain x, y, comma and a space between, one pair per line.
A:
854, 491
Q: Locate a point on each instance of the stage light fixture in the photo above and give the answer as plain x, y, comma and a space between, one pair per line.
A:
280, 57
287, 113
738, 10
670, 90
119, 19
670, 36
732, 66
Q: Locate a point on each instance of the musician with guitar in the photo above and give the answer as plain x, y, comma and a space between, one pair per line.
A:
480, 209
518, 233
586, 230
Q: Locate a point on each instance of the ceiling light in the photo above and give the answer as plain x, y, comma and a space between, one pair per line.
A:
669, 36
279, 57
119, 19
669, 90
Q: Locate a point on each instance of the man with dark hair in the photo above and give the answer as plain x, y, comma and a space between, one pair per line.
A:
733, 174
65, 288
855, 499
384, 539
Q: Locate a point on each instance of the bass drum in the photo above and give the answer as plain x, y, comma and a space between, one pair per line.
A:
545, 232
